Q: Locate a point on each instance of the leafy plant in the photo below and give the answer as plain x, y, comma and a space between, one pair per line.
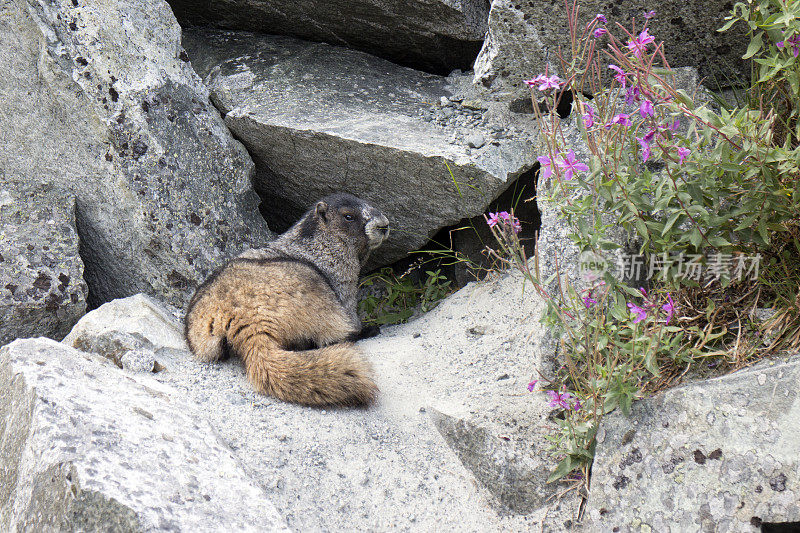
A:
398, 297
705, 191
435, 287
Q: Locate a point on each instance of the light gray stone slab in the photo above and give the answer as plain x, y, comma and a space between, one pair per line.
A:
447, 445
87, 447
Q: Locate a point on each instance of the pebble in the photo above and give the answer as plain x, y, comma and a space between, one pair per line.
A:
476, 140
138, 361
476, 105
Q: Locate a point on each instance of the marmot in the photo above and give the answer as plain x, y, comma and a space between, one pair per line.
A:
289, 310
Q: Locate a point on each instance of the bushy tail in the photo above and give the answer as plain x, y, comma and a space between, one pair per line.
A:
333, 375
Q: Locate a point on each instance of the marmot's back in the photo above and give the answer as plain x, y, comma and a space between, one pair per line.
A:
266, 304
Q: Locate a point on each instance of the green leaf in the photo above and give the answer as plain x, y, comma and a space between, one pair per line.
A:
695, 237
562, 469
625, 404
718, 242
602, 342
755, 45
728, 25
762, 229
685, 99
641, 227
747, 222
650, 362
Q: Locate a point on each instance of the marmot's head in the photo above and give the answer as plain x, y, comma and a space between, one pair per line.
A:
350, 219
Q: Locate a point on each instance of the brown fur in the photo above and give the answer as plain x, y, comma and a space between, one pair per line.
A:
264, 302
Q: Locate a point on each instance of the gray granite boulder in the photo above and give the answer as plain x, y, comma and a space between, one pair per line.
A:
318, 118
433, 35
42, 292
87, 447
719, 455
525, 37
100, 104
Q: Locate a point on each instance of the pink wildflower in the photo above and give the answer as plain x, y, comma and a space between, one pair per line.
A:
620, 75
669, 308
649, 14
516, 227
504, 216
588, 301
794, 41
621, 119
570, 164
577, 405
599, 32
588, 117
553, 82
646, 108
547, 169
675, 125
601, 18
559, 399
639, 45
532, 384
535, 81
683, 153
631, 95
493, 220
640, 313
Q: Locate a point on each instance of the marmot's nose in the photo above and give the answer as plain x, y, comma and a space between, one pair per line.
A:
381, 223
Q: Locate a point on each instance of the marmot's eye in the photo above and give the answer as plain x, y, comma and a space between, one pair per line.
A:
349, 218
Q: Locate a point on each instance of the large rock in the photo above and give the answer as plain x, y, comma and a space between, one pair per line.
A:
455, 439
526, 37
100, 104
433, 35
720, 455
42, 291
318, 118
86, 447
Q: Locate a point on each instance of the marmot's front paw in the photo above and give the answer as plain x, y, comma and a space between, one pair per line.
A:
365, 333
369, 331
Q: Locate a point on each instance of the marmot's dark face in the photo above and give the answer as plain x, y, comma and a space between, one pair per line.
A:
354, 220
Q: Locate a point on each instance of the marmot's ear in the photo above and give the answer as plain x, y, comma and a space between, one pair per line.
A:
321, 210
